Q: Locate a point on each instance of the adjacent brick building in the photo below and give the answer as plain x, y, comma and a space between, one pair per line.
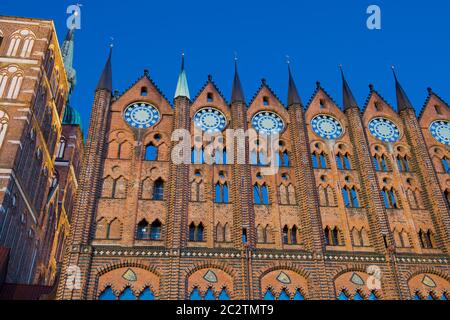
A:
37, 180
359, 208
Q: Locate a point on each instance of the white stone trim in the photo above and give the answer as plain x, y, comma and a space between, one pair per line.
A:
18, 61
15, 142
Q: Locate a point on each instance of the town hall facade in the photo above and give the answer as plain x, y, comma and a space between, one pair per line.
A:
358, 209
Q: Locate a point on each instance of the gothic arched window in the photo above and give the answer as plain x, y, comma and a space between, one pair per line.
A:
158, 190
403, 163
196, 233
155, 230
151, 153
294, 234
61, 148
260, 194
319, 160
380, 163
4, 119
254, 158
143, 231
350, 196
197, 156
343, 161
426, 239
14, 44
389, 198
283, 159
14, 86
285, 235
221, 193
445, 164
332, 236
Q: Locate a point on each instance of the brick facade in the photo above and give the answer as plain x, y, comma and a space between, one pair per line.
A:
308, 240
36, 184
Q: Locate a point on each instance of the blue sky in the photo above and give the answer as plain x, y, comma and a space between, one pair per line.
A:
317, 35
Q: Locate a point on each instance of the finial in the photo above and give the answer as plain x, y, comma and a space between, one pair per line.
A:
235, 56
146, 72
288, 60
318, 84
263, 81
393, 71
430, 90
111, 42
182, 60
342, 70
371, 87
210, 77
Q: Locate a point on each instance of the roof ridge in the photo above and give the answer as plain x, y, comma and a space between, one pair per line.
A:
316, 91
146, 75
427, 100
264, 84
372, 91
208, 81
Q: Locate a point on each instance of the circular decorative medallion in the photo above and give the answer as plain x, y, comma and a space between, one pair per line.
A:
440, 130
384, 130
210, 120
268, 123
141, 115
327, 127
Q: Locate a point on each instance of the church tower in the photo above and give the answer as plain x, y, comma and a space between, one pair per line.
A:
77, 260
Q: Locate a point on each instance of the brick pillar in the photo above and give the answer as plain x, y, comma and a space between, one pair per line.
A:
178, 205
308, 201
241, 195
78, 252
371, 196
422, 164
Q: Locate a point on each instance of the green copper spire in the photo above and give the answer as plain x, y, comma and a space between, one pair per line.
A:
71, 115
67, 54
182, 85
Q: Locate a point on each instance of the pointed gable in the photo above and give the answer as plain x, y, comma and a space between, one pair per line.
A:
265, 93
376, 105
209, 90
321, 101
135, 93
434, 108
